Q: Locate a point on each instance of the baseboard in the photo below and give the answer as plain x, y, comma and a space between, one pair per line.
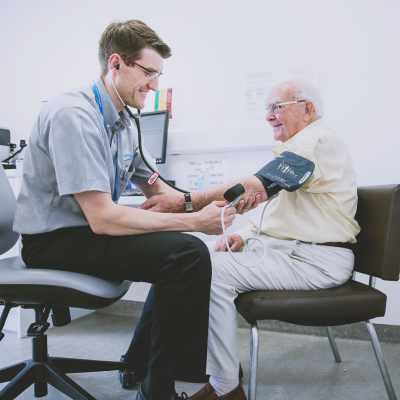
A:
386, 333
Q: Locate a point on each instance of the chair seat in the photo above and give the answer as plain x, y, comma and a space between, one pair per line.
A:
22, 285
349, 303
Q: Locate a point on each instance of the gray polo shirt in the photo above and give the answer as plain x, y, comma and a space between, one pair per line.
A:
70, 152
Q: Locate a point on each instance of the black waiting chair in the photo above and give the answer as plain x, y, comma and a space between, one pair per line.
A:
44, 291
377, 253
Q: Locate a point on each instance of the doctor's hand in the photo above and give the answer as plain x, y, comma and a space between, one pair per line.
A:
209, 218
235, 242
165, 204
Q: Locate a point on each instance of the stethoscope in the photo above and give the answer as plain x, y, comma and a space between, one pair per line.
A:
136, 118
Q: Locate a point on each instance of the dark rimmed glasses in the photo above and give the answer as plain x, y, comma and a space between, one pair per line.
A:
149, 74
275, 107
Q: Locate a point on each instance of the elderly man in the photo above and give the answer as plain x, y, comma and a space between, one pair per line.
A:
308, 233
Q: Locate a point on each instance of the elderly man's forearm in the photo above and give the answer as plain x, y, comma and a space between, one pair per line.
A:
251, 184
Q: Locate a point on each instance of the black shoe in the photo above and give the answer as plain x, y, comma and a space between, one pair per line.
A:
127, 377
173, 396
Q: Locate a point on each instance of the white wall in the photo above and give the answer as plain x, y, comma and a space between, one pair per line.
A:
47, 47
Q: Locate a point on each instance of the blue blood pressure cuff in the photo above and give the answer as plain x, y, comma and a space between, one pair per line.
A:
287, 171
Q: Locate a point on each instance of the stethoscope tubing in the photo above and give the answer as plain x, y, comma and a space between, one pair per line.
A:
137, 121
136, 118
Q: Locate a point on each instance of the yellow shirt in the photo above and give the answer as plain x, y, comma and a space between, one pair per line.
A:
323, 209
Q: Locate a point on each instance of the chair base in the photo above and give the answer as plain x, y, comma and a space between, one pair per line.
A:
42, 370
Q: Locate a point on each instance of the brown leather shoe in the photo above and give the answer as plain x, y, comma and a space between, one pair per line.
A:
208, 393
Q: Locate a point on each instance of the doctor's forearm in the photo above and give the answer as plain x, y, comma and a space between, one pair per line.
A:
122, 221
107, 218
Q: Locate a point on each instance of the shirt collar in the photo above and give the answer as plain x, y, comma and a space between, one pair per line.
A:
318, 123
116, 121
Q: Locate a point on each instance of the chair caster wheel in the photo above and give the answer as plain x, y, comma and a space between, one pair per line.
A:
127, 379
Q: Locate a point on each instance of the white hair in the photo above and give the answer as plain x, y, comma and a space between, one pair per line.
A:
304, 90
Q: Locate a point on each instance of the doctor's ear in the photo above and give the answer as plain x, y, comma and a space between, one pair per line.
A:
114, 62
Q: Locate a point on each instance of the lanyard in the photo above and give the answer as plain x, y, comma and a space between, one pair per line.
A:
98, 101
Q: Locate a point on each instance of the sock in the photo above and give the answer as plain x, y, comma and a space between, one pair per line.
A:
157, 387
223, 386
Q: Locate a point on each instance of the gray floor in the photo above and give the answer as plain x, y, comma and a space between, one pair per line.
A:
290, 366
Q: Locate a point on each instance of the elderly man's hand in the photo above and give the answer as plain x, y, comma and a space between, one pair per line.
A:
165, 204
254, 195
235, 242
248, 203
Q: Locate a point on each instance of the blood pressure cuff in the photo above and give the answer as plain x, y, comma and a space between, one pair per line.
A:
287, 171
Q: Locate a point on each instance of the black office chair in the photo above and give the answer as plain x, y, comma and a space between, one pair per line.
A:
377, 253
44, 291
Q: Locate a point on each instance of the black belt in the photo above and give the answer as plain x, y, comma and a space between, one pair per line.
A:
346, 245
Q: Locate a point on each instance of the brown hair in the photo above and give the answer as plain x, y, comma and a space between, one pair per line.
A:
129, 38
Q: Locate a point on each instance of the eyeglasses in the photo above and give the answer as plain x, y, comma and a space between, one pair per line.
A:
275, 107
149, 74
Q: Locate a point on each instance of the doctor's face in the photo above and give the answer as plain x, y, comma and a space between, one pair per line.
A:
133, 85
288, 120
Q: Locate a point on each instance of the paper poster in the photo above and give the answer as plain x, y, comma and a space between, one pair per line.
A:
258, 85
204, 173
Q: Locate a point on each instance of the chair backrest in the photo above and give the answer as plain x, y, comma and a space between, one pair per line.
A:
8, 205
377, 251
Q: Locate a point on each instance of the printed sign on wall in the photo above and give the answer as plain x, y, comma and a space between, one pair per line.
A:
205, 172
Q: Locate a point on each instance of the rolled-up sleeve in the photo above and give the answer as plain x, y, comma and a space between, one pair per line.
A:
77, 150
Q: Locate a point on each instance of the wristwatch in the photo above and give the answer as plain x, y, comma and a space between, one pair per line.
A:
188, 203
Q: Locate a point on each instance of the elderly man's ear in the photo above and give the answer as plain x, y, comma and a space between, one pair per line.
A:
309, 111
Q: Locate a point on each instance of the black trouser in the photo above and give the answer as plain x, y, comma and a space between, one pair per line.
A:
177, 264
139, 350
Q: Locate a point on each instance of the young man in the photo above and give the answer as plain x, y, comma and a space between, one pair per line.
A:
82, 152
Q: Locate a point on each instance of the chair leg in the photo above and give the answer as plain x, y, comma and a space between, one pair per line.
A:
332, 342
19, 384
381, 360
253, 361
66, 385
7, 374
71, 365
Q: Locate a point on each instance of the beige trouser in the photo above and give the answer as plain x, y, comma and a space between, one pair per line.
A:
288, 265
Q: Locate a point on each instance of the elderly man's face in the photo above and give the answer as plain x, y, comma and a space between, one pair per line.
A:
290, 118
